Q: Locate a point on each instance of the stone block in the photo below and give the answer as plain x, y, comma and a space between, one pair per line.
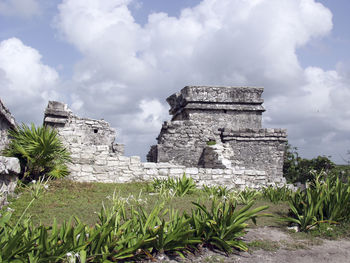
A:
124, 159
217, 171
149, 165
163, 172
191, 171
228, 171
151, 171
173, 171
9, 165
113, 163
87, 168
135, 159
101, 148
100, 161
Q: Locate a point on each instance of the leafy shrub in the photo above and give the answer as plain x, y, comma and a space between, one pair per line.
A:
326, 200
126, 233
39, 150
222, 226
297, 169
276, 194
216, 191
247, 195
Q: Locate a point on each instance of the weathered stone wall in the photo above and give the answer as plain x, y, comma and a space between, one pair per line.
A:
238, 107
230, 116
257, 149
6, 122
9, 169
121, 169
182, 143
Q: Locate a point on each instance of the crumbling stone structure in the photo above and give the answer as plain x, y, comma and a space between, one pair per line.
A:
7, 121
228, 117
9, 167
240, 152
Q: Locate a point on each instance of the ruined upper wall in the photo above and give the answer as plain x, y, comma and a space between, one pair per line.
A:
7, 121
76, 130
238, 107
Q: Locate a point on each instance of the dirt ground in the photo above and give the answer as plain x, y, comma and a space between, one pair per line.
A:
280, 247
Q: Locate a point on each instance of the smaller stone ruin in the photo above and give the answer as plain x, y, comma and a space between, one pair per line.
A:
9, 167
220, 127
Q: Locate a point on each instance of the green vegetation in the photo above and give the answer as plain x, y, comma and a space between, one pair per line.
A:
276, 194
326, 200
210, 143
297, 169
125, 229
60, 220
39, 151
178, 186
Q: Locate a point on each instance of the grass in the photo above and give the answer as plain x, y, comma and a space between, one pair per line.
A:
65, 198
266, 245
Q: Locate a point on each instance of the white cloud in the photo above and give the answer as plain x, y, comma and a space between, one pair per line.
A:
219, 42
20, 8
26, 83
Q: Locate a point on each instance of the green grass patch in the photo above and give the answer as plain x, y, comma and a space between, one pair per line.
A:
266, 245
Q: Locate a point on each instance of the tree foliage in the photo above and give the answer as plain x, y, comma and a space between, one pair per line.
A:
39, 151
297, 169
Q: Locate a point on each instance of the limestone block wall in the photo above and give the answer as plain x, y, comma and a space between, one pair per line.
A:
6, 122
235, 177
257, 149
121, 169
9, 169
4, 127
95, 157
96, 163
238, 107
182, 142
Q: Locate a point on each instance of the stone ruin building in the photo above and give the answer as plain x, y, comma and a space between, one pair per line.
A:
219, 127
215, 136
9, 167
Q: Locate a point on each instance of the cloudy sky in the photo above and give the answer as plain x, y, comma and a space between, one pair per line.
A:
120, 59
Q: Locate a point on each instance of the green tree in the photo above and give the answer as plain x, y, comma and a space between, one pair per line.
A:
39, 151
297, 169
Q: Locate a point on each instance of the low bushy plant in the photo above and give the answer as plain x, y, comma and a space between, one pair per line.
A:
247, 195
223, 224
276, 194
180, 186
326, 200
39, 151
216, 191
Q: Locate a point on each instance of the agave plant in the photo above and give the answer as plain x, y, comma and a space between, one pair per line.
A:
223, 224
179, 186
247, 195
39, 150
324, 201
277, 194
